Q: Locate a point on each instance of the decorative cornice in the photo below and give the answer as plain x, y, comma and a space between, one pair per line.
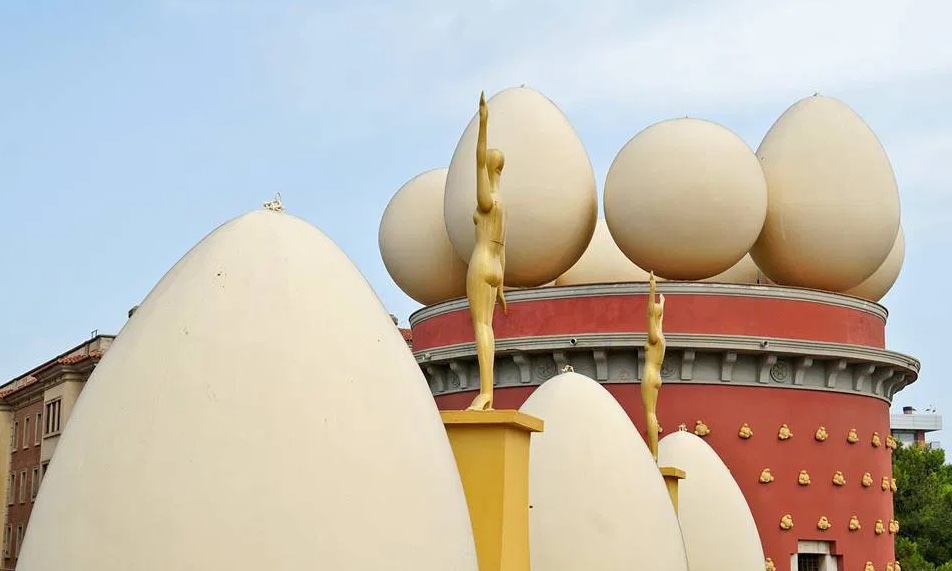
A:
708, 342
673, 287
691, 358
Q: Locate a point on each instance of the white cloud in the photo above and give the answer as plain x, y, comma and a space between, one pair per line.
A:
613, 52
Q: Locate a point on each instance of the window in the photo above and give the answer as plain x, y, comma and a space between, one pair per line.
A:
10, 488
23, 486
815, 556
53, 417
13, 437
26, 432
39, 428
19, 543
34, 483
809, 562
7, 533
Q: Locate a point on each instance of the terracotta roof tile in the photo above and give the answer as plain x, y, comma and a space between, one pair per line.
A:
79, 358
407, 335
17, 386
31, 380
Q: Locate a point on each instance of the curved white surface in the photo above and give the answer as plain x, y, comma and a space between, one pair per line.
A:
685, 198
414, 244
598, 500
259, 411
743, 272
833, 208
547, 187
602, 263
716, 522
876, 286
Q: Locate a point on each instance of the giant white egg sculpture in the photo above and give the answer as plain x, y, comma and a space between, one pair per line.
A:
716, 522
414, 244
259, 411
833, 209
685, 198
597, 498
547, 187
743, 272
602, 262
875, 287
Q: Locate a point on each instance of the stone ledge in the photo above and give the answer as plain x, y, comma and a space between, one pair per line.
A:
696, 359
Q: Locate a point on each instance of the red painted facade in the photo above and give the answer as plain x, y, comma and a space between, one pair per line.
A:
696, 313
724, 408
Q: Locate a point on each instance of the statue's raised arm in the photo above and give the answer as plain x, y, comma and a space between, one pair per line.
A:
655, 311
484, 198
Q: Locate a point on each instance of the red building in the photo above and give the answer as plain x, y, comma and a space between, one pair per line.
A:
758, 356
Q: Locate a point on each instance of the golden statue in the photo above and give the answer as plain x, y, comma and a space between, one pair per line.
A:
869, 566
889, 566
824, 524
891, 442
885, 484
880, 528
487, 266
821, 434
893, 526
654, 357
769, 565
892, 484
766, 476
876, 442
867, 479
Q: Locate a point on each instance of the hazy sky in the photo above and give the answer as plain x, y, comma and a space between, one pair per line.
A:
129, 130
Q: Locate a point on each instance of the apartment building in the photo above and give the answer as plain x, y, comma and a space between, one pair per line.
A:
34, 410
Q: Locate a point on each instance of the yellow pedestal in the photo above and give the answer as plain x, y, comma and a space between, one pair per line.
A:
492, 454
672, 476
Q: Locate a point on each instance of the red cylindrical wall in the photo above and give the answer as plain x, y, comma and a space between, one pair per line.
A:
725, 409
732, 311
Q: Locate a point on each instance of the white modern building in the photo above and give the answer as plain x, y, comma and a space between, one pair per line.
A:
911, 426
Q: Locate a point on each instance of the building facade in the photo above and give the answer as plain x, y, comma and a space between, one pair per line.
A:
34, 410
911, 427
791, 387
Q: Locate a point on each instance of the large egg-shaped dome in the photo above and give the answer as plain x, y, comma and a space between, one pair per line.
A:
685, 198
547, 187
414, 244
602, 262
718, 528
597, 498
875, 287
259, 411
833, 209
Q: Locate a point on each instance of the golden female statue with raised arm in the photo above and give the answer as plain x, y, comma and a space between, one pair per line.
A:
654, 357
484, 279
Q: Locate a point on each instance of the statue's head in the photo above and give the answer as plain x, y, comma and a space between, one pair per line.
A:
495, 161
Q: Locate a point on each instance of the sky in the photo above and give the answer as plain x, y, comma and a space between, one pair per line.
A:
129, 130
